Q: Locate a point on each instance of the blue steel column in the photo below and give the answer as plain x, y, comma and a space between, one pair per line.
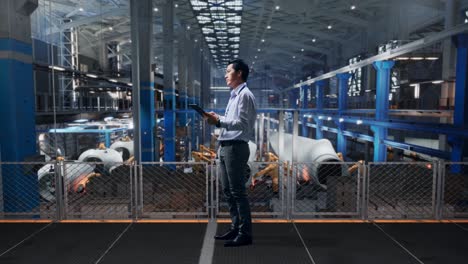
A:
17, 107
189, 48
305, 103
342, 105
319, 97
169, 89
460, 118
182, 75
381, 107
142, 78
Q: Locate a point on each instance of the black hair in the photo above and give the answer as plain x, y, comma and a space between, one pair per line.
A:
240, 65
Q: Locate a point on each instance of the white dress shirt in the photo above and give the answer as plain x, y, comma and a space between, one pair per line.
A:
239, 120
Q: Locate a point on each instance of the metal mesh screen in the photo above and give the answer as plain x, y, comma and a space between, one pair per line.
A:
401, 190
328, 189
27, 190
174, 190
455, 190
97, 190
265, 187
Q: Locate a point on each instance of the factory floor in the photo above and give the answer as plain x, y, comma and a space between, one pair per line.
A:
176, 243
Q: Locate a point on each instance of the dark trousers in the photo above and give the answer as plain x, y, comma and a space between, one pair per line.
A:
234, 169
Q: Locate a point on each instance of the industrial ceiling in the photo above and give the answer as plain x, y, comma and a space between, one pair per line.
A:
287, 40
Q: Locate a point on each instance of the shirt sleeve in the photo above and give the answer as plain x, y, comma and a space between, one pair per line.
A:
246, 108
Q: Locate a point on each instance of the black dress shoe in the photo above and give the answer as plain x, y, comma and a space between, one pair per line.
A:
231, 234
240, 240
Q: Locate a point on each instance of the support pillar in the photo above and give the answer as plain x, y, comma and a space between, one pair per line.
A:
169, 89
17, 107
182, 74
460, 118
305, 102
383, 69
143, 82
319, 97
342, 106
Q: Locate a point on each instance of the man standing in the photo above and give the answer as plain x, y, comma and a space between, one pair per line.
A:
237, 128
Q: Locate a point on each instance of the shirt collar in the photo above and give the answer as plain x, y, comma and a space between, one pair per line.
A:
236, 90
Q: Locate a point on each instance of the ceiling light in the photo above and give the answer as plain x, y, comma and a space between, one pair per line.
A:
130, 84
81, 9
438, 81
353, 7
113, 80
259, 50
302, 50
277, 7
91, 75
329, 118
358, 122
176, 5
432, 58
341, 120
417, 58
402, 58
313, 40
111, 28
196, 40
263, 40
255, 56
294, 57
155, 9
268, 27
188, 27
329, 27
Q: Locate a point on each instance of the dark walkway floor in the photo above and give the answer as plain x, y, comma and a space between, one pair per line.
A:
176, 243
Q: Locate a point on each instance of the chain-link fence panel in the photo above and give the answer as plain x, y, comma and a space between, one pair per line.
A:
173, 190
454, 189
266, 191
401, 190
97, 190
28, 190
326, 190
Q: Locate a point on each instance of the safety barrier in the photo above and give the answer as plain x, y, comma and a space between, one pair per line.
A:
65, 190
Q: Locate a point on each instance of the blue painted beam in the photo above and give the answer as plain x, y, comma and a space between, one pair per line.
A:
398, 145
383, 69
169, 125
18, 136
319, 97
147, 121
305, 103
342, 105
460, 116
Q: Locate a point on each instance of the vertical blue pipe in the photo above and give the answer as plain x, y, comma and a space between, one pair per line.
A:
319, 98
147, 120
305, 103
107, 138
381, 107
169, 124
17, 115
342, 106
460, 117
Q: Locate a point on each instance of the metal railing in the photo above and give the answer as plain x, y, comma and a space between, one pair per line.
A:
63, 190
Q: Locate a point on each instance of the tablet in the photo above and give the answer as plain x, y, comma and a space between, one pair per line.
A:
198, 109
